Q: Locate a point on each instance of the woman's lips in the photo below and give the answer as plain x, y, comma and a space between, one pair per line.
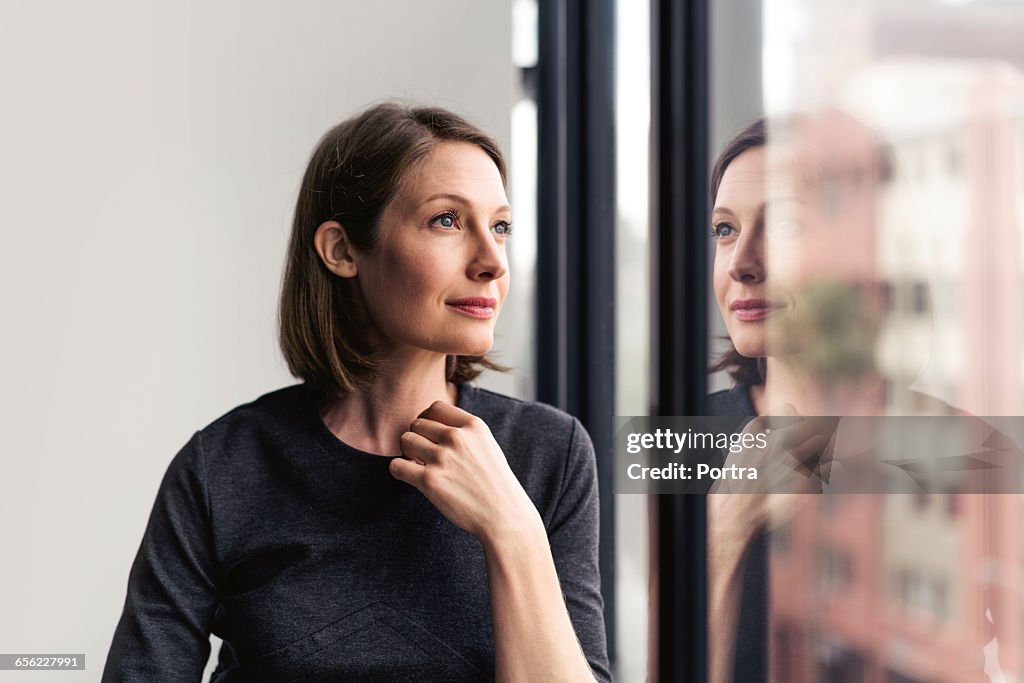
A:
750, 310
480, 308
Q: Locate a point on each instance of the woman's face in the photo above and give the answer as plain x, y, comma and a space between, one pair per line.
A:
438, 275
741, 282
812, 223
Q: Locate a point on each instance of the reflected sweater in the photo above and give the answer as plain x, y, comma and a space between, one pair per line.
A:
751, 659
313, 564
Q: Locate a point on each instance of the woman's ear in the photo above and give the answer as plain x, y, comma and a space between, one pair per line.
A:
335, 250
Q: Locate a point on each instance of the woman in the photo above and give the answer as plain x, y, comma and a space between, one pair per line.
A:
737, 609
383, 520
796, 283
767, 208
795, 262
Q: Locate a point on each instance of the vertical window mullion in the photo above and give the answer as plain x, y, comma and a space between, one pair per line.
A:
576, 236
679, 212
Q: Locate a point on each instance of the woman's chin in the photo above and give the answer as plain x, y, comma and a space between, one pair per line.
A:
473, 348
750, 348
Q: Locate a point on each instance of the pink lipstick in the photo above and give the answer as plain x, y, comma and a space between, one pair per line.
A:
750, 310
478, 307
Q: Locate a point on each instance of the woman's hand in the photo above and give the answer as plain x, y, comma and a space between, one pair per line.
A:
791, 464
452, 458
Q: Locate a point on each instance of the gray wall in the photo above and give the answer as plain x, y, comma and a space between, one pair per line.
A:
151, 156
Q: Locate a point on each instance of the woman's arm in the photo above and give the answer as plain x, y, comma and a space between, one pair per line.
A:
739, 513
533, 635
454, 461
163, 634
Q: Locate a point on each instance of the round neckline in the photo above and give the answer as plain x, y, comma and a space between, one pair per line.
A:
335, 446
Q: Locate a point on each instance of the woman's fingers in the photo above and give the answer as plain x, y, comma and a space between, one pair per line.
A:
806, 457
794, 463
793, 434
447, 414
757, 425
451, 457
437, 432
419, 448
408, 471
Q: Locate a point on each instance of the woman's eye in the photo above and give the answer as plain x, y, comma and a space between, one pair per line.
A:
446, 220
723, 230
502, 228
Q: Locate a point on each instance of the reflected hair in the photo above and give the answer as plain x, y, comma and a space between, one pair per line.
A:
744, 370
325, 332
824, 171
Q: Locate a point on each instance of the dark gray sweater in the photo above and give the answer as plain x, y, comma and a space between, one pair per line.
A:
314, 564
751, 661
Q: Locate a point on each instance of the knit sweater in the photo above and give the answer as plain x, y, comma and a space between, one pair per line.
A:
751, 661
313, 563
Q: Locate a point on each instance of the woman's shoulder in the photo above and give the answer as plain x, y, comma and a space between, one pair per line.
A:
507, 412
278, 411
283, 401
240, 445
547, 448
534, 436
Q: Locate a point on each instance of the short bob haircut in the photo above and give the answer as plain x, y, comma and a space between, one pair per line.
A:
744, 370
752, 371
325, 332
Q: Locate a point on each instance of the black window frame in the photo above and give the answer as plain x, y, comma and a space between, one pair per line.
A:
576, 210
680, 134
575, 333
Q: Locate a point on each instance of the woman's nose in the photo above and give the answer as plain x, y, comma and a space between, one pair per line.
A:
747, 264
488, 261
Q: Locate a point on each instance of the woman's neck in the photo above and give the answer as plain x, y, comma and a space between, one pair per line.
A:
373, 419
787, 381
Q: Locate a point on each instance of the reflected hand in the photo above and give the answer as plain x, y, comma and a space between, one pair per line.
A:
790, 465
452, 458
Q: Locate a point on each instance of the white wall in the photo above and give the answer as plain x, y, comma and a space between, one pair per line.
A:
150, 157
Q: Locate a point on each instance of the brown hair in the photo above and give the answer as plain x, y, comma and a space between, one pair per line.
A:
743, 369
355, 171
821, 170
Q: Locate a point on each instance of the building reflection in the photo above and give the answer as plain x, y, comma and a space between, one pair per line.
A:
918, 588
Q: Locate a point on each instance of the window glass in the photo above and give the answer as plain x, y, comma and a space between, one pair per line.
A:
632, 311
876, 267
